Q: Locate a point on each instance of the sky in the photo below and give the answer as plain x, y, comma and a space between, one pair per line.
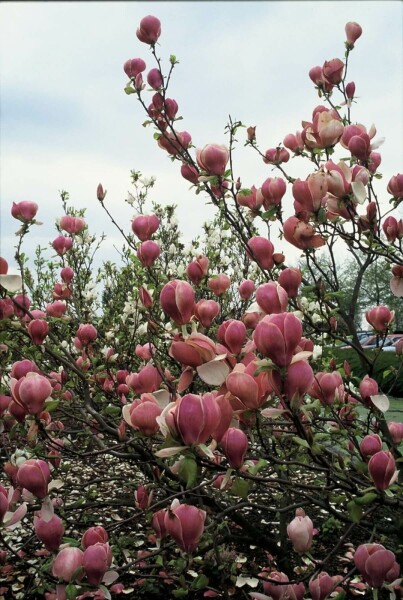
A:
66, 123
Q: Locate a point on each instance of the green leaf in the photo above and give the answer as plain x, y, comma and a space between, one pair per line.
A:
354, 511
51, 405
240, 488
71, 591
200, 582
129, 90
268, 214
259, 465
188, 470
366, 499
300, 442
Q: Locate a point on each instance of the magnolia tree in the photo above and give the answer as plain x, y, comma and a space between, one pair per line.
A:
181, 425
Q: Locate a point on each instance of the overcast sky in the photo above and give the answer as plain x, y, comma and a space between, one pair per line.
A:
67, 124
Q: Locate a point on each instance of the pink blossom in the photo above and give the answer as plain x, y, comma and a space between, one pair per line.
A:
149, 30
213, 159
185, 523
300, 531
24, 211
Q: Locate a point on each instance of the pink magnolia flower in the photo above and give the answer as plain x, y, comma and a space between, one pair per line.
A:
234, 444
149, 30
24, 211
276, 156
142, 414
392, 228
155, 79
273, 190
370, 445
290, 279
22, 367
333, 70
382, 469
97, 558
277, 336
94, 535
300, 531
213, 159
142, 498
56, 309
326, 387
395, 186
72, 224
261, 250
147, 380
38, 329
376, 564
396, 283
190, 173
353, 32
196, 417
194, 350
185, 523
197, 269
175, 143
250, 391
301, 234
321, 586
134, 66
380, 318
396, 431
34, 475
148, 252
3, 266
31, 391
308, 194
8, 499
144, 226
325, 130
299, 379
272, 298
177, 300
252, 198
219, 284
294, 142
206, 311
67, 563
232, 333
21, 302
368, 388
86, 333
62, 244
49, 530
246, 289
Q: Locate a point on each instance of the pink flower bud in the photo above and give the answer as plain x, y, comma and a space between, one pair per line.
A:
273, 190
61, 291
353, 32
272, 298
261, 250
390, 228
56, 309
72, 224
144, 352
251, 198
177, 300
6, 308
301, 235
376, 564
368, 388
86, 334
101, 193
206, 311
67, 274
49, 531
62, 244
322, 585
316, 75
96, 561
67, 563
382, 469
333, 70
22, 367
325, 387
350, 90
142, 498
234, 444
276, 156
31, 392
146, 381
185, 523
360, 146
197, 269
155, 79
277, 337
94, 535
395, 186
246, 289
380, 318
148, 252
144, 226
24, 211
396, 431
294, 142
142, 415
175, 143
232, 333
290, 279
34, 475
308, 195
145, 297
21, 302
38, 329
213, 159
190, 173
298, 380
196, 417
3, 266
300, 531
374, 160
133, 67
370, 445
158, 523
149, 30
219, 284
